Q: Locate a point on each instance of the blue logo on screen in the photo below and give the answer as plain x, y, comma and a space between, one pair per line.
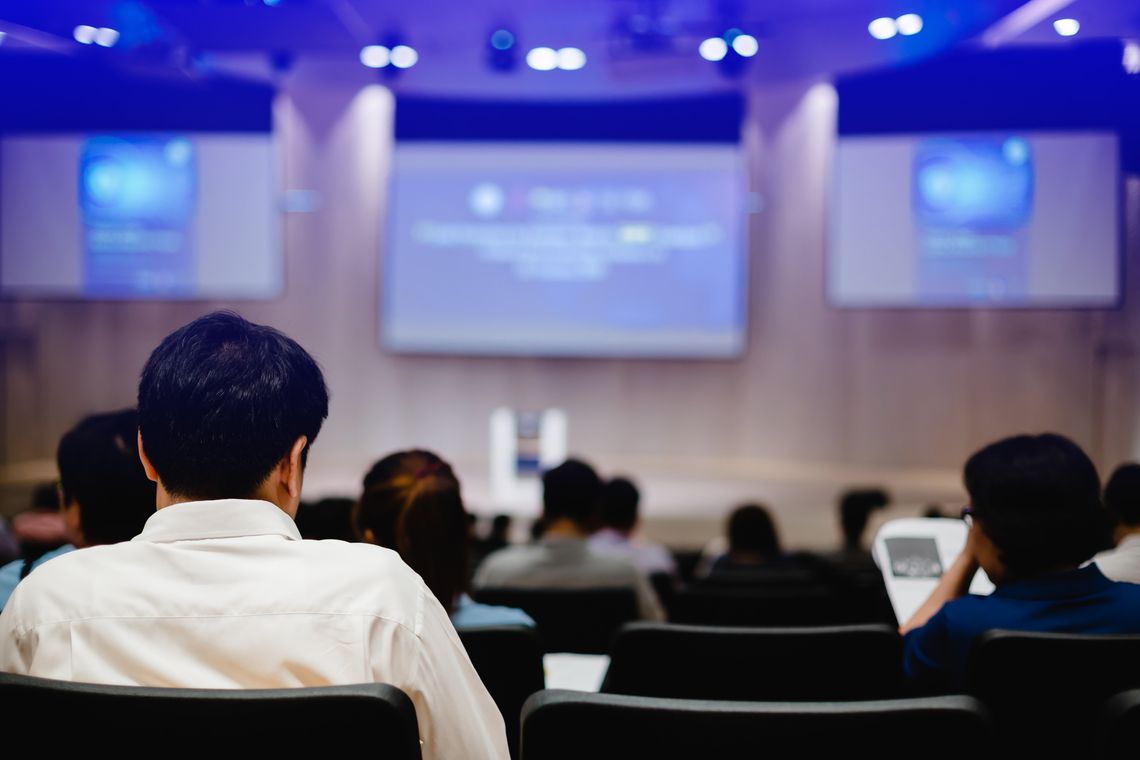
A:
137, 180
973, 183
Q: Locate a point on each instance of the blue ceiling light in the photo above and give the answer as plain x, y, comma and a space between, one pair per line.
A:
1067, 27
404, 56
883, 28
909, 24
502, 50
375, 56
713, 49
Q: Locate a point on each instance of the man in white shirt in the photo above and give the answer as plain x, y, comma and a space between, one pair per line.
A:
561, 559
219, 590
1122, 498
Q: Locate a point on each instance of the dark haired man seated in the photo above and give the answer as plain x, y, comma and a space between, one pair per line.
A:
1035, 517
561, 558
104, 493
219, 590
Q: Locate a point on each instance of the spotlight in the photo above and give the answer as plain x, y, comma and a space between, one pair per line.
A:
908, 24
571, 59
1067, 27
106, 37
502, 39
713, 49
375, 56
542, 59
404, 57
84, 34
883, 28
501, 51
1131, 60
745, 45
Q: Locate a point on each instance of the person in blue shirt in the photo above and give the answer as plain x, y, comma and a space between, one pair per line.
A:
1035, 517
105, 496
412, 504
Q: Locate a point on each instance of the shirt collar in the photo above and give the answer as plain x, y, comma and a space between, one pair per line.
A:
223, 518
1066, 584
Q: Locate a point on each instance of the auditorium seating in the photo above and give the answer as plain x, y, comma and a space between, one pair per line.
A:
570, 620
788, 664
1046, 689
704, 604
1119, 725
132, 721
509, 661
566, 725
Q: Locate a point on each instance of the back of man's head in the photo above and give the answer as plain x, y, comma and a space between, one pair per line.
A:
620, 499
571, 490
1037, 498
855, 508
100, 471
221, 403
1122, 494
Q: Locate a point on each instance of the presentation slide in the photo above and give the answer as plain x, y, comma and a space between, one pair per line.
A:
1019, 220
565, 250
139, 216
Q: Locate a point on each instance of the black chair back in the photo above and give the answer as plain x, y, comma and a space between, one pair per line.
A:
784, 664
509, 660
133, 721
729, 604
1119, 725
570, 620
1046, 689
568, 725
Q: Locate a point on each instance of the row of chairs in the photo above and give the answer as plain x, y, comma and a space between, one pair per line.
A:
555, 725
585, 620
1027, 680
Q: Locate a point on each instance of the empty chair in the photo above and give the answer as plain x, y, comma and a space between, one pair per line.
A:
509, 660
1046, 689
558, 725
133, 721
1119, 725
570, 620
758, 606
786, 664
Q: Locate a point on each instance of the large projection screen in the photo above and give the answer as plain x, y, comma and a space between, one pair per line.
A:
988, 219
560, 249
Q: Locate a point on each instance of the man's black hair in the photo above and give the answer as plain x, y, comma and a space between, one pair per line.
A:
751, 529
221, 402
1122, 494
99, 469
855, 508
571, 490
620, 499
1037, 498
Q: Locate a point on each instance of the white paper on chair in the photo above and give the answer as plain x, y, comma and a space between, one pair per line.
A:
579, 672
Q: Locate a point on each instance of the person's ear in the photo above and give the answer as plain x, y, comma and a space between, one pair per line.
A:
148, 468
368, 536
293, 469
72, 519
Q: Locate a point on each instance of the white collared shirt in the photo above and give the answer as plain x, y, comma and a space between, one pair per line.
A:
1123, 562
226, 594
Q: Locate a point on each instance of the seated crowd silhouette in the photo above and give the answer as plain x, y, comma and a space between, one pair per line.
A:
235, 602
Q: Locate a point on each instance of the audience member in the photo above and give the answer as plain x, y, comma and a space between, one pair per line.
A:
40, 529
753, 543
412, 503
104, 494
619, 520
1122, 498
497, 538
562, 558
1036, 516
219, 590
855, 508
